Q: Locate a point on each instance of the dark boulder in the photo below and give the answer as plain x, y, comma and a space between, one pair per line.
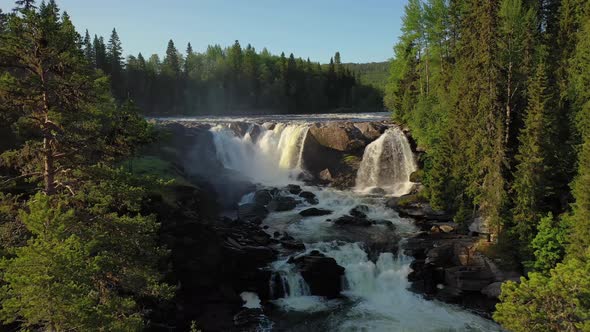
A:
252, 211
313, 212
309, 197
262, 197
353, 221
282, 204
293, 189
359, 211
321, 273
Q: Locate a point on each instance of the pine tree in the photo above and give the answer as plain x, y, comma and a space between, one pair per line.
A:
24, 5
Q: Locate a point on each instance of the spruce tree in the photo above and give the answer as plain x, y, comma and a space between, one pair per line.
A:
89, 52
530, 177
114, 57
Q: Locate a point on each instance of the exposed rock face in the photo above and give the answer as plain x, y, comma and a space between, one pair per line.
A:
321, 273
282, 204
339, 136
313, 212
371, 130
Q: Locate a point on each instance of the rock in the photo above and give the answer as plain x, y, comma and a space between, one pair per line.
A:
254, 132
441, 255
282, 204
385, 223
325, 175
370, 130
293, 189
359, 211
262, 197
377, 191
353, 221
338, 136
492, 290
252, 211
322, 274
239, 128
468, 278
446, 228
313, 212
292, 244
309, 197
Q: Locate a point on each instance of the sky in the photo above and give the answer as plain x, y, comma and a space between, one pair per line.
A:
361, 30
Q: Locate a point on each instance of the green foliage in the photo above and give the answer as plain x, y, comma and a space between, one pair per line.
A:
530, 184
558, 302
550, 243
72, 275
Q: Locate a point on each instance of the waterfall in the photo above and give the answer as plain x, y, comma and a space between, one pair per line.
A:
387, 163
273, 158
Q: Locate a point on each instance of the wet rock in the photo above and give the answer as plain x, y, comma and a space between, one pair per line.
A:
377, 191
293, 189
359, 211
385, 223
353, 221
338, 136
326, 175
313, 212
370, 130
322, 274
251, 212
239, 128
282, 204
254, 132
292, 244
309, 197
262, 197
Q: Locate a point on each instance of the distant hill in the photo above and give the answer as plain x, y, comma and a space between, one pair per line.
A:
372, 73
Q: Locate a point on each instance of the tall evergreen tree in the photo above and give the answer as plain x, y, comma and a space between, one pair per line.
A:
115, 64
530, 177
89, 52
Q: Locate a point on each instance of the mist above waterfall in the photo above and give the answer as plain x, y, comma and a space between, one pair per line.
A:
387, 164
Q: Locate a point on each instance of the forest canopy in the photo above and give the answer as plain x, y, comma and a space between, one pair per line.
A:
496, 91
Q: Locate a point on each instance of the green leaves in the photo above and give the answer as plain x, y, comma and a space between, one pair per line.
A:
558, 302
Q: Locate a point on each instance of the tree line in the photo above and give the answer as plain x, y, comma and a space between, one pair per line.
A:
497, 93
231, 80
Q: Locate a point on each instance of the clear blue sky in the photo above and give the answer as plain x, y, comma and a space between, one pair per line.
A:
362, 30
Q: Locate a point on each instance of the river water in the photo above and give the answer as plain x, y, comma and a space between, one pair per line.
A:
376, 295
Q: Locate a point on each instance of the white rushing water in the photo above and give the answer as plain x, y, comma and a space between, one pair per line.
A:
273, 159
375, 288
387, 164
